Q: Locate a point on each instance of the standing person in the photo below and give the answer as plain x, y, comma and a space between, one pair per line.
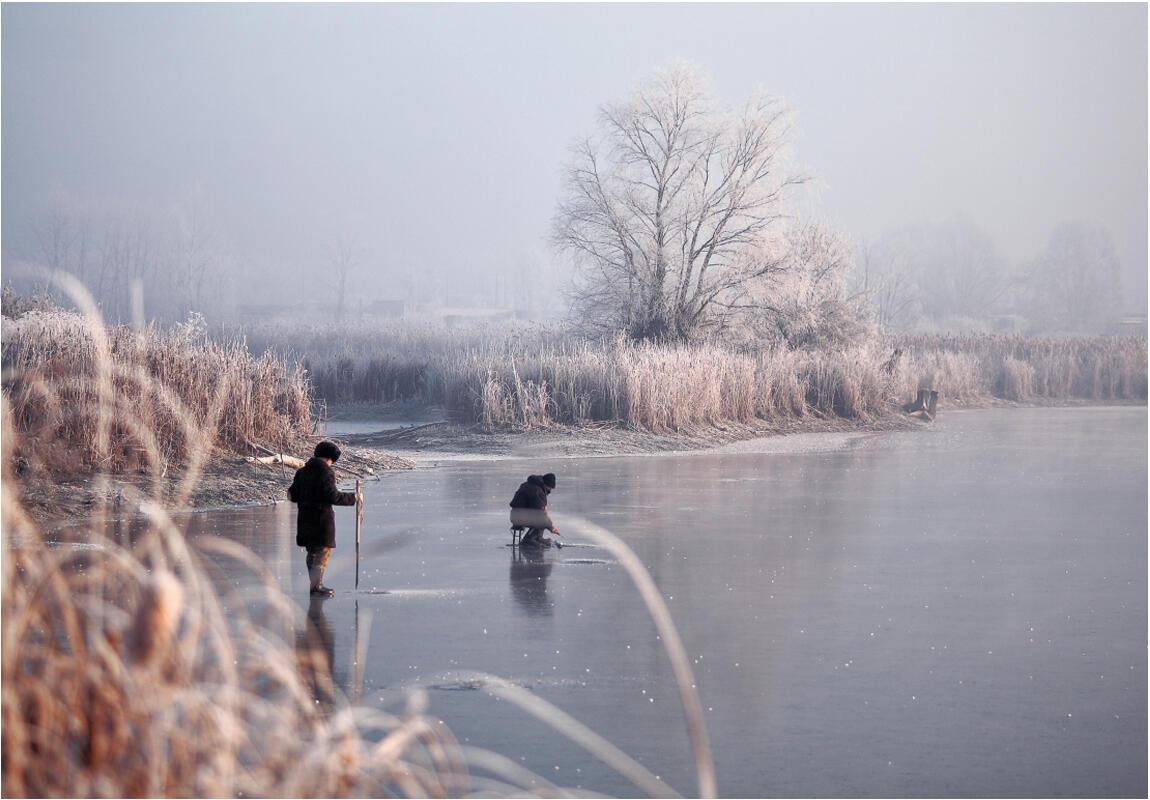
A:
529, 509
313, 490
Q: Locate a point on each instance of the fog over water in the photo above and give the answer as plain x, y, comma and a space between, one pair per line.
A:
433, 138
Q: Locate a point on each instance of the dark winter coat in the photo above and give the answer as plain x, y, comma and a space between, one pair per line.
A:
529, 505
314, 491
531, 494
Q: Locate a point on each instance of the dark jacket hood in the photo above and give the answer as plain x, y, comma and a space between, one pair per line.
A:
537, 480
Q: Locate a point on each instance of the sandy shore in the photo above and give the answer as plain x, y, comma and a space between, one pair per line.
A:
228, 481
437, 443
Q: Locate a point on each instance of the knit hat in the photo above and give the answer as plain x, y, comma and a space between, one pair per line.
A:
327, 450
549, 480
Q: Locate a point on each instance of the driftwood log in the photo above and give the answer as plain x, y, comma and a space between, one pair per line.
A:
384, 437
273, 457
278, 458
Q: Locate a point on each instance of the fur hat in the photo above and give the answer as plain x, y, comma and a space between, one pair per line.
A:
327, 450
549, 480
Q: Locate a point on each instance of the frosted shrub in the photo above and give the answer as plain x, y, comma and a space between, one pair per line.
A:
63, 373
531, 376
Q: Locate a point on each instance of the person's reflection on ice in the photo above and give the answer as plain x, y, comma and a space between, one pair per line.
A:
529, 571
315, 647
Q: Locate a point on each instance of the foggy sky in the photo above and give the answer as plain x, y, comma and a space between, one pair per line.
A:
434, 136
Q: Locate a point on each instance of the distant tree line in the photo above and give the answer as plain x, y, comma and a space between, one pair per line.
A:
948, 276
136, 266
679, 220
168, 264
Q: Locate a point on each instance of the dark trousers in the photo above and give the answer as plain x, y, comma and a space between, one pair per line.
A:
317, 558
533, 537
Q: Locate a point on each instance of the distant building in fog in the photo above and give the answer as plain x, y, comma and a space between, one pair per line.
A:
1007, 323
318, 312
260, 312
462, 315
388, 309
1129, 325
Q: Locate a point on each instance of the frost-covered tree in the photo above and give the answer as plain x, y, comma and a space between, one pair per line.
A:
959, 272
198, 269
806, 302
61, 241
161, 262
669, 211
108, 254
1075, 282
342, 263
884, 278
931, 276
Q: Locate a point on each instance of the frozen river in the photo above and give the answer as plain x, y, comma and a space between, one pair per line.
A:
959, 611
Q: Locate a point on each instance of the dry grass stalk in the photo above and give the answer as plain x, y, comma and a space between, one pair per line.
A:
110, 396
974, 367
672, 643
123, 675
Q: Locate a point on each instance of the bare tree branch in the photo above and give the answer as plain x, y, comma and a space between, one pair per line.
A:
661, 211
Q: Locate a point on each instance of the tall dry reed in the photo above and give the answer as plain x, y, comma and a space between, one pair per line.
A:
122, 673
124, 677
533, 377
59, 364
128, 671
973, 367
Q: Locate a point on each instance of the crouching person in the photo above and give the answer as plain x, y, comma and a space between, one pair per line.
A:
313, 490
529, 510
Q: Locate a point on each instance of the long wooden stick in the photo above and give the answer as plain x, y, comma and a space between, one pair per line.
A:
383, 436
358, 527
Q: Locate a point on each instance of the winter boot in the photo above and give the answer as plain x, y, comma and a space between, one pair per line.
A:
315, 576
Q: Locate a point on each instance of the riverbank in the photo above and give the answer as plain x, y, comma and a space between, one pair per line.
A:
96, 411
429, 444
230, 482
233, 482
426, 440
227, 481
